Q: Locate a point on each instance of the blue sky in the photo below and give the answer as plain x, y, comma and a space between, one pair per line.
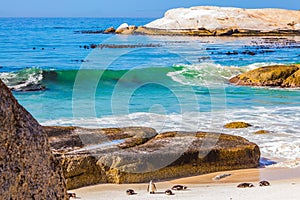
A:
122, 8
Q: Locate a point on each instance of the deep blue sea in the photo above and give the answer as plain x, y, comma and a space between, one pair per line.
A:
168, 83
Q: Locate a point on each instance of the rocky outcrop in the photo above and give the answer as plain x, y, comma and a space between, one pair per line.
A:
136, 154
274, 76
28, 170
125, 29
109, 30
225, 21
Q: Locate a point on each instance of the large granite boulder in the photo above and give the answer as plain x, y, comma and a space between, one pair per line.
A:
28, 170
224, 21
225, 18
274, 76
136, 154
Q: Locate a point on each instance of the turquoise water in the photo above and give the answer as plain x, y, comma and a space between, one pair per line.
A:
176, 83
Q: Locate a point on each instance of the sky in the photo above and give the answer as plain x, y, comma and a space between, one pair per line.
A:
122, 8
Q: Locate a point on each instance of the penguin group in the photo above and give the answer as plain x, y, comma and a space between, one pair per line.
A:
249, 185
151, 189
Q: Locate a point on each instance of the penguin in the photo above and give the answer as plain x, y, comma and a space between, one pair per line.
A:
264, 183
179, 187
73, 195
130, 192
168, 192
151, 187
245, 185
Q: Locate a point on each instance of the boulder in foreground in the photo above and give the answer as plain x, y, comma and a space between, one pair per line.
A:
28, 170
273, 76
137, 154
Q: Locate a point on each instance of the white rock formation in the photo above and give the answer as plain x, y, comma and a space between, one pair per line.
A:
214, 18
122, 27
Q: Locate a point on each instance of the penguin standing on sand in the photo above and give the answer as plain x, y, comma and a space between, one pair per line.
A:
151, 187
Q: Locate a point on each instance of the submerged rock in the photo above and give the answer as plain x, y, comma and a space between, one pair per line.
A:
262, 132
275, 76
237, 125
28, 170
135, 154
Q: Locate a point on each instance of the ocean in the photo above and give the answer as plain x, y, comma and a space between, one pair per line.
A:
168, 83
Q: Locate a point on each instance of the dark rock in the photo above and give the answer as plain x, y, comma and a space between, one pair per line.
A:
93, 46
90, 32
232, 53
249, 52
110, 30
28, 168
134, 155
276, 76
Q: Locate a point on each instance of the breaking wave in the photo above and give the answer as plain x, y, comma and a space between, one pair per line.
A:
33, 79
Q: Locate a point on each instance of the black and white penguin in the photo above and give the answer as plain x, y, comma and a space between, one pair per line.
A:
179, 187
151, 187
168, 192
264, 183
245, 185
130, 192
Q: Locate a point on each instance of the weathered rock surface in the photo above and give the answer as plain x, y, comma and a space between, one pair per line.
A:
213, 18
28, 170
274, 76
79, 148
219, 21
133, 155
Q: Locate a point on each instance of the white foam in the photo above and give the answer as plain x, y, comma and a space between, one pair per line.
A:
22, 79
210, 73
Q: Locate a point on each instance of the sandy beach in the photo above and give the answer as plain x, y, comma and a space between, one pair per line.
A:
285, 184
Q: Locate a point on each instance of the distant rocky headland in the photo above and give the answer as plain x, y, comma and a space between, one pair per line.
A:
219, 21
